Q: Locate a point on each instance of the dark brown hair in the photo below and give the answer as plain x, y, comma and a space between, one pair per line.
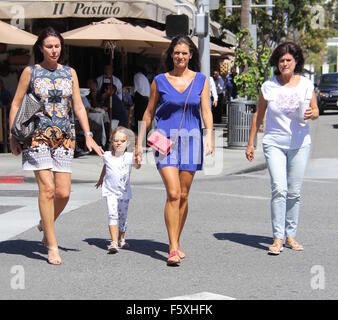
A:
291, 48
47, 32
194, 62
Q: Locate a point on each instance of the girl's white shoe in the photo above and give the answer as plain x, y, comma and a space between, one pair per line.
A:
113, 247
123, 244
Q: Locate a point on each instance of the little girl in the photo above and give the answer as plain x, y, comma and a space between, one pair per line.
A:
115, 181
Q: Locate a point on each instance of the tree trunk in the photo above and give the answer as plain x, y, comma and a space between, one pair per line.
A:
245, 14
245, 23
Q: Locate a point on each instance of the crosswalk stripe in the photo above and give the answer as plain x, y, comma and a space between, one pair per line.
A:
222, 194
202, 296
17, 221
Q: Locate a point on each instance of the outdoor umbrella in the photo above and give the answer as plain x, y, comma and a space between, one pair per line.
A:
12, 35
214, 48
122, 34
112, 33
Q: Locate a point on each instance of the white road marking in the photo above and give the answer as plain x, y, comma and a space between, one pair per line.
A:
17, 221
202, 296
267, 177
222, 194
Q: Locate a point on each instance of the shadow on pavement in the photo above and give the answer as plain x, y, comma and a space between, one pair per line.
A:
142, 246
98, 242
27, 248
246, 239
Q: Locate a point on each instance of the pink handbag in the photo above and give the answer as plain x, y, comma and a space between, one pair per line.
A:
158, 141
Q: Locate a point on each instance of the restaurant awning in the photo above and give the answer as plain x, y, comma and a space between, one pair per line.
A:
215, 50
155, 10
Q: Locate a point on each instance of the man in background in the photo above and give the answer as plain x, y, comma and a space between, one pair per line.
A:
220, 88
231, 87
141, 95
105, 78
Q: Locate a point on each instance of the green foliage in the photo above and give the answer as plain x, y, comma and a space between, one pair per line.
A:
290, 20
253, 65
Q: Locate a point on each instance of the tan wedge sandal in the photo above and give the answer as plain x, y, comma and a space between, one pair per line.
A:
291, 243
277, 247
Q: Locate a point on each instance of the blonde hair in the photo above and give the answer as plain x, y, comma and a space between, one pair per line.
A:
129, 134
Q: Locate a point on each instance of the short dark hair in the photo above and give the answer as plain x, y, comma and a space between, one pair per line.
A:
194, 63
47, 32
291, 48
106, 86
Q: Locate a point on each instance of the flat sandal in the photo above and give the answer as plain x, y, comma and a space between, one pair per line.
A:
173, 258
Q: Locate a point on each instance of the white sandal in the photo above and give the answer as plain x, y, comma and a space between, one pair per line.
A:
113, 247
123, 244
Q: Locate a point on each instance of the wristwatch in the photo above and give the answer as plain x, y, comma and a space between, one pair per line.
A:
88, 134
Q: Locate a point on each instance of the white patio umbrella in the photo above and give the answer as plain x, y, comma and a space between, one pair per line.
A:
12, 35
214, 48
112, 33
123, 34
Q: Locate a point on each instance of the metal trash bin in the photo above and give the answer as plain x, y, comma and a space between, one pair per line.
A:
239, 123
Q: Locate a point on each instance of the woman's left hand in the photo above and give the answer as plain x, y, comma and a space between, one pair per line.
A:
92, 145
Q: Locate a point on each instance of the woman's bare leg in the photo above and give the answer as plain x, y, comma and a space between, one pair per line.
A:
170, 177
186, 178
62, 184
46, 205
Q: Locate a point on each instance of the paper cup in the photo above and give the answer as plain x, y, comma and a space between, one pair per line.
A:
301, 111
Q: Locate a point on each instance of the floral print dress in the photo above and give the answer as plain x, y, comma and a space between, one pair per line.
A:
51, 146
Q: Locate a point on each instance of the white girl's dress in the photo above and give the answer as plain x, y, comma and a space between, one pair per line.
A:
116, 187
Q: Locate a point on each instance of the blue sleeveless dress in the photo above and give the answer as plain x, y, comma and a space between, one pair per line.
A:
187, 153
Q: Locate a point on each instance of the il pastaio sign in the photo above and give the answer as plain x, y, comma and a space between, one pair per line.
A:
142, 9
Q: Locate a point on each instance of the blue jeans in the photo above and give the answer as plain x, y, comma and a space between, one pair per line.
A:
286, 168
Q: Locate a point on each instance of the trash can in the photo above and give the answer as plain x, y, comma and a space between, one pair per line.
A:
239, 123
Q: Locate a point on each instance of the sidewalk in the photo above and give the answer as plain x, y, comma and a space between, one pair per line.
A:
225, 161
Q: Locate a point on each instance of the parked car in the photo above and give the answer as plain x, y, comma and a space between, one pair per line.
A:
327, 92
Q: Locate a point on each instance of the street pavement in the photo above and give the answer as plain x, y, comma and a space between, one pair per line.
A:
225, 238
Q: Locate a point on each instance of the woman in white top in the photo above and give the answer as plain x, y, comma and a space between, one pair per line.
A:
289, 102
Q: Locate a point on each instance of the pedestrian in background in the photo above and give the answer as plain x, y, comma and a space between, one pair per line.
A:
169, 92
213, 94
220, 88
50, 151
231, 87
141, 95
115, 182
290, 101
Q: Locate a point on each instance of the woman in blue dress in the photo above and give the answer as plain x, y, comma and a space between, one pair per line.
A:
169, 92
50, 151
